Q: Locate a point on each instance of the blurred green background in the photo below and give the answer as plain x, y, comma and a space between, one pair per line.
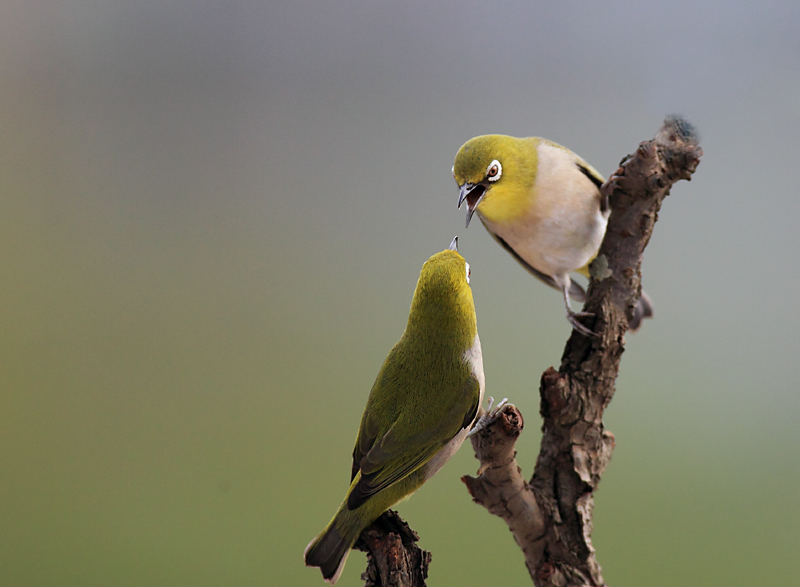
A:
212, 218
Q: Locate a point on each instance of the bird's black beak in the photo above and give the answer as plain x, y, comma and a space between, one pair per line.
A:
473, 193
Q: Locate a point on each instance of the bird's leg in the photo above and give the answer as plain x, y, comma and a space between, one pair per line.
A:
572, 317
489, 417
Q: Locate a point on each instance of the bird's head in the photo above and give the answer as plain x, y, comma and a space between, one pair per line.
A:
490, 167
443, 299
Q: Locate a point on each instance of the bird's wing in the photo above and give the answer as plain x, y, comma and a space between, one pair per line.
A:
590, 172
576, 292
367, 434
393, 456
595, 178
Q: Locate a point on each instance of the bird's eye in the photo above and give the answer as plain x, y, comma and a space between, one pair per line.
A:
468, 271
494, 171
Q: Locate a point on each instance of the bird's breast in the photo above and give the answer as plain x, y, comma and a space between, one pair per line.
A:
562, 226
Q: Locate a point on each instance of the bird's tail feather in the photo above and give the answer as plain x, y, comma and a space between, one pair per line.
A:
328, 551
644, 309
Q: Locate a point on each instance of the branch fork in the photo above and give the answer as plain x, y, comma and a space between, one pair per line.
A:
550, 516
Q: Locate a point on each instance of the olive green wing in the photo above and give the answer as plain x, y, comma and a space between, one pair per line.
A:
367, 434
386, 460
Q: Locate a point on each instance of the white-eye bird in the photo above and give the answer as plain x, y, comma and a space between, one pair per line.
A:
543, 204
420, 409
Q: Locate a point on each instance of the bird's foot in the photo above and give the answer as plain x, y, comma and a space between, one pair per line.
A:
489, 417
572, 317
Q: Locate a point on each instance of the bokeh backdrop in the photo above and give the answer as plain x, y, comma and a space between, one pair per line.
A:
212, 218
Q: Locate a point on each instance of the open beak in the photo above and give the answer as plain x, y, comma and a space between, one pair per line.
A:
473, 193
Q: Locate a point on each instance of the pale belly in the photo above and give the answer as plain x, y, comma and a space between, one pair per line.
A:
561, 226
556, 244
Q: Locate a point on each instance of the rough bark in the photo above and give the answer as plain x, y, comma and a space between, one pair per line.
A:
393, 557
551, 516
553, 522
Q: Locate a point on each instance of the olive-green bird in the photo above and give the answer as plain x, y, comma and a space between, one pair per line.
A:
543, 204
421, 407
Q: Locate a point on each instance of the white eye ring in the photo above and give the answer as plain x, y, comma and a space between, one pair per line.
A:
494, 171
468, 272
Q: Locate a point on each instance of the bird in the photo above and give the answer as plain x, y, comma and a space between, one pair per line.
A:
542, 203
420, 409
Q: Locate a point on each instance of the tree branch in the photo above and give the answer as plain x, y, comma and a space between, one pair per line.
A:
551, 517
500, 487
393, 557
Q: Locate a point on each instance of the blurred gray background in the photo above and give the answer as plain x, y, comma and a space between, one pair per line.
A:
213, 216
